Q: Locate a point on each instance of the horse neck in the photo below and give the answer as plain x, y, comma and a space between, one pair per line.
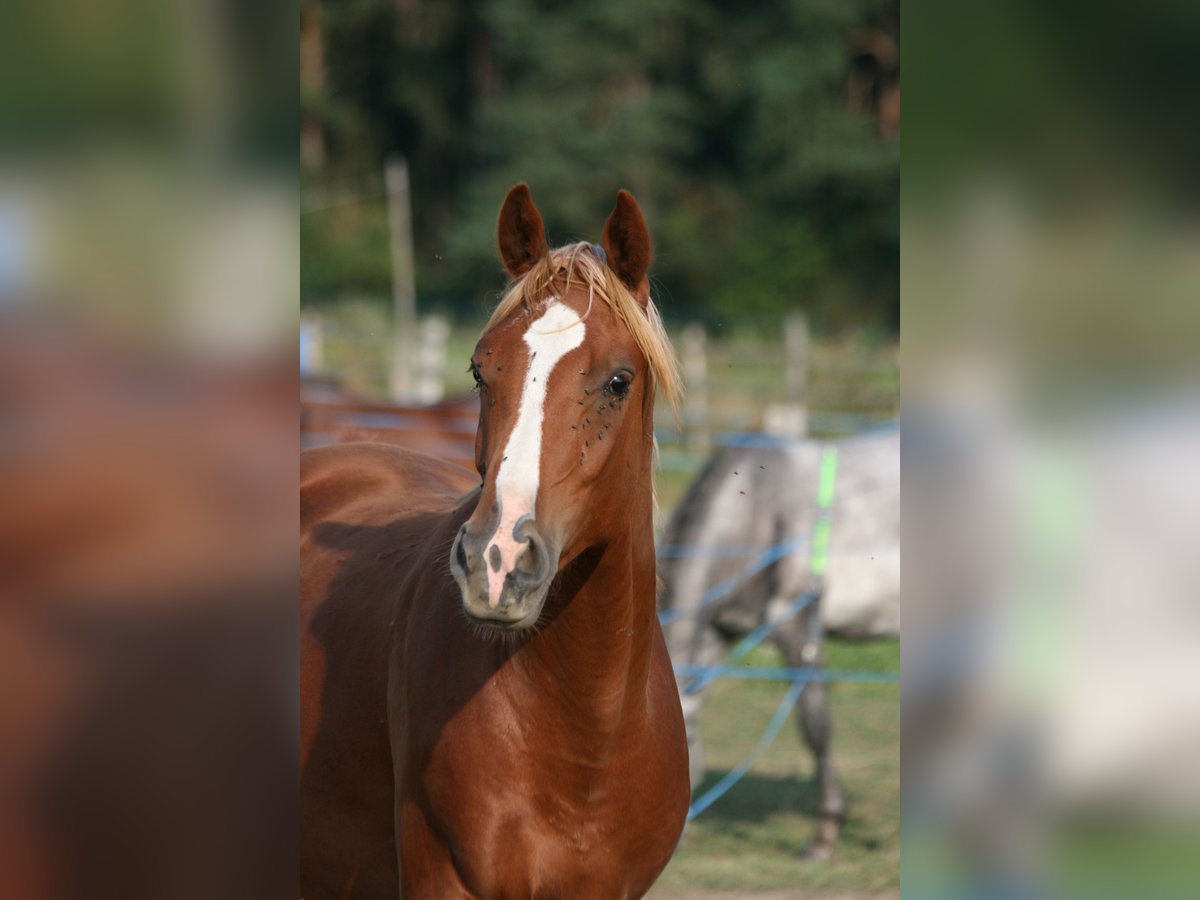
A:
595, 654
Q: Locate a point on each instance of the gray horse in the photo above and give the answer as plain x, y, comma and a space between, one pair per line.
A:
721, 578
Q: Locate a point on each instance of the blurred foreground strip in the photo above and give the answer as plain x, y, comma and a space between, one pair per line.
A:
1051, 291
148, 267
147, 628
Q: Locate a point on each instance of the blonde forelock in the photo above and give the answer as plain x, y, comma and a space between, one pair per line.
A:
577, 264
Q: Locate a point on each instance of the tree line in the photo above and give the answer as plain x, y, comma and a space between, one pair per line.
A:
761, 139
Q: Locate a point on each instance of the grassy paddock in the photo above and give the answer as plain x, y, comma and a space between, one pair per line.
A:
748, 841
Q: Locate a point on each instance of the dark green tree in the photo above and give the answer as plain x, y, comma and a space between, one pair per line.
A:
746, 130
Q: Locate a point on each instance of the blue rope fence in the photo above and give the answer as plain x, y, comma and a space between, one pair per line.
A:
718, 790
799, 679
766, 559
749, 642
783, 673
702, 676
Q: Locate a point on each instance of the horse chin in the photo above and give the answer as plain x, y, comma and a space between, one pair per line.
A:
492, 623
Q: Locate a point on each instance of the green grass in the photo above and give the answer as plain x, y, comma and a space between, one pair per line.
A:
749, 840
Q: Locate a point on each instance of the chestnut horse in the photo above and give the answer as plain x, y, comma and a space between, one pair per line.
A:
488, 707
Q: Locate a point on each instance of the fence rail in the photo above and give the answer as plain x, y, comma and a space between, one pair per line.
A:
789, 384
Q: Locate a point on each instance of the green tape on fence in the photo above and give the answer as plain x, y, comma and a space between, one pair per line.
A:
820, 554
825, 487
829, 461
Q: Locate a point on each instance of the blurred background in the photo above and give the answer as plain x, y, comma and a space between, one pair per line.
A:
759, 139
762, 142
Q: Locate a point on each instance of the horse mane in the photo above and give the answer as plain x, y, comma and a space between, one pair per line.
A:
579, 263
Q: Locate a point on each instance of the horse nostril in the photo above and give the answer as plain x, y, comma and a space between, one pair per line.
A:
460, 553
528, 562
534, 563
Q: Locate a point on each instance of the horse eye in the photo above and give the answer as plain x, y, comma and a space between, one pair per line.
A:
619, 385
474, 370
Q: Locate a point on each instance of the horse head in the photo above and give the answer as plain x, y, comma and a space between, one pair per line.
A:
566, 373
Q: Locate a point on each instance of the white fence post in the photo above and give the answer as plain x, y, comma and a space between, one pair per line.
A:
431, 359
695, 374
790, 418
404, 295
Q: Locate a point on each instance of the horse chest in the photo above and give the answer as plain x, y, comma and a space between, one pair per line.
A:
524, 847
537, 822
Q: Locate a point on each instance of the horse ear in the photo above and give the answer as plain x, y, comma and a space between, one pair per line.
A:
628, 246
520, 232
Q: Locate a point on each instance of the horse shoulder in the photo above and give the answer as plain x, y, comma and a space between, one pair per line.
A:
367, 514
372, 517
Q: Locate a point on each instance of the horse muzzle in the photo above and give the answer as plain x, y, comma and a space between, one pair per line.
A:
504, 579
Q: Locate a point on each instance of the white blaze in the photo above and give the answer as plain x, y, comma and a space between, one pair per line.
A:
550, 338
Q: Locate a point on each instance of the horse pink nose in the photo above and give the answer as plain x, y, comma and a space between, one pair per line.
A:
504, 578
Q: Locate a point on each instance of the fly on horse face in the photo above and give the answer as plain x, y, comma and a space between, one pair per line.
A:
488, 707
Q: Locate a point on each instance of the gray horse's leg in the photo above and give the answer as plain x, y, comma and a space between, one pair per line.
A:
802, 643
707, 649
